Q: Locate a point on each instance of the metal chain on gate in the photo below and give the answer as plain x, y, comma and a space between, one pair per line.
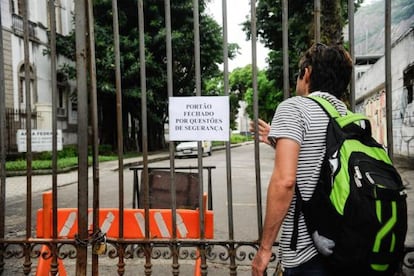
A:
97, 240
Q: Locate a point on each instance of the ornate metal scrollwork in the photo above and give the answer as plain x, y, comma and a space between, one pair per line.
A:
228, 252
408, 260
13, 251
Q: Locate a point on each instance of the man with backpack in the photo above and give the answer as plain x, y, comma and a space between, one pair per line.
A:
299, 135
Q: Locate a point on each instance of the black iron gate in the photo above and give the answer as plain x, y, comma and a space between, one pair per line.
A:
93, 243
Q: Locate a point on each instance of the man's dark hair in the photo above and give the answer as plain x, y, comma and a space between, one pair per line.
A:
331, 68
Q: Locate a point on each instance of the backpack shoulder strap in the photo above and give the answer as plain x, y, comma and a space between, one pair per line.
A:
342, 121
327, 106
298, 209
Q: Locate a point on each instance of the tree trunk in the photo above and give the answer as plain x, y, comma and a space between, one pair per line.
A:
107, 120
331, 22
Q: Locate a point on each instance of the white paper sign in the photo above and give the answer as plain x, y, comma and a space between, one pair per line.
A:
41, 140
199, 118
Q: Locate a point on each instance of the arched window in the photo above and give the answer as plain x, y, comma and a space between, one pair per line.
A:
22, 87
58, 16
62, 94
20, 6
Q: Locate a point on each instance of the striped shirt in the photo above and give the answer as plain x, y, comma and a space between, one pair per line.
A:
303, 121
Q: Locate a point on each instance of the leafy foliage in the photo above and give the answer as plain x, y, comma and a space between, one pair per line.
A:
301, 34
155, 63
268, 97
240, 89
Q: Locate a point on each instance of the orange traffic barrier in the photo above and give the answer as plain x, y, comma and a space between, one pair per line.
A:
197, 268
44, 265
134, 223
160, 223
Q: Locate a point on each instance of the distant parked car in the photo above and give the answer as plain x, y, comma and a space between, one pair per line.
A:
190, 148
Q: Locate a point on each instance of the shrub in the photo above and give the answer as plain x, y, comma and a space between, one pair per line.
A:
239, 138
68, 151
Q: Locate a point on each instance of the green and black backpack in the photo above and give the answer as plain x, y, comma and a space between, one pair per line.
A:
359, 201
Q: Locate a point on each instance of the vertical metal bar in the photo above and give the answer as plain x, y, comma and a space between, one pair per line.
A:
54, 105
95, 133
210, 191
119, 116
147, 248
143, 108
196, 17
225, 49
198, 93
135, 196
317, 20
82, 95
351, 39
228, 144
285, 28
168, 40
388, 78
121, 264
197, 47
2, 148
27, 80
256, 117
52, 18
170, 94
233, 265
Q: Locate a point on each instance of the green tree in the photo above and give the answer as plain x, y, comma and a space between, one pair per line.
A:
155, 52
240, 89
268, 96
301, 32
215, 87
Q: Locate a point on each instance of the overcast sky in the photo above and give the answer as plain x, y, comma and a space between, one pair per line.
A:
367, 2
237, 10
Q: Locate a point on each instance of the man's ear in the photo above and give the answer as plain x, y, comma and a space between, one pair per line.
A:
306, 80
308, 72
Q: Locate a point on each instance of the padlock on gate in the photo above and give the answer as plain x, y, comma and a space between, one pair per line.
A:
100, 247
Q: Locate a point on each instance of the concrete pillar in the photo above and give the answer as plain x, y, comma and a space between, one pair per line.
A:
44, 115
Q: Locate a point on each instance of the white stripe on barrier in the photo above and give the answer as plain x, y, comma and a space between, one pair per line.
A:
141, 222
90, 220
181, 226
107, 222
70, 221
159, 220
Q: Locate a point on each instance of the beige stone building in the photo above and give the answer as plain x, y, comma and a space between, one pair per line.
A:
40, 101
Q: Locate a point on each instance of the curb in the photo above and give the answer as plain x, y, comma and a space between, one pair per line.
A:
165, 156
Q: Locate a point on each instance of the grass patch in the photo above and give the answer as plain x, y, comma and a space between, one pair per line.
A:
234, 139
238, 138
63, 163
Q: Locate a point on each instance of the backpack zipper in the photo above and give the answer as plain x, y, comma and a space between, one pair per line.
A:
357, 177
